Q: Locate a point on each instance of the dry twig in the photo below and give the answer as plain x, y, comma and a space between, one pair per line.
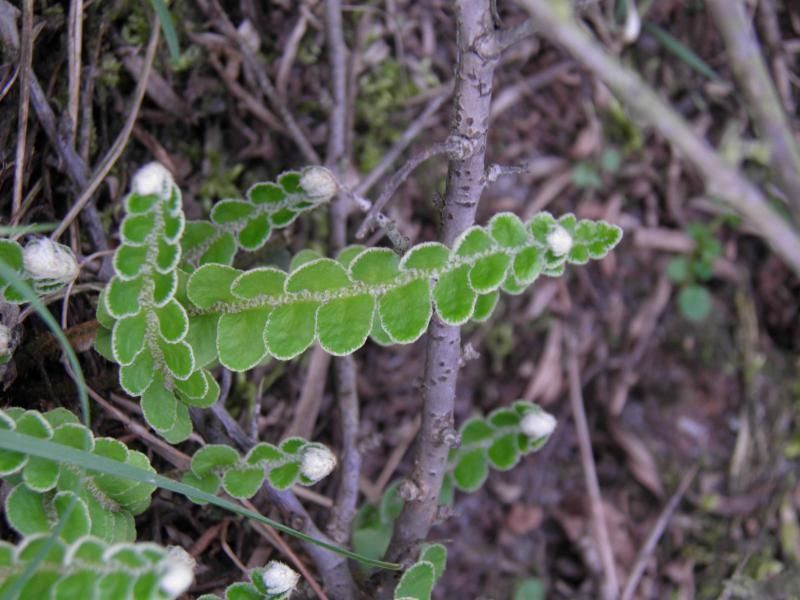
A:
752, 76
722, 180
610, 588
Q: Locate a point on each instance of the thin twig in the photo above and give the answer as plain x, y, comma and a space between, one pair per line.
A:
74, 44
610, 586
344, 509
272, 535
722, 180
290, 52
25, 59
650, 543
751, 73
409, 135
307, 406
446, 147
110, 158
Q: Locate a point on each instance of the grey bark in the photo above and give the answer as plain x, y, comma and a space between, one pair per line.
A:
465, 182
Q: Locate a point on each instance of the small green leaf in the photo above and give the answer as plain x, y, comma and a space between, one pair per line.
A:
504, 417
678, 269
262, 281
484, 306
375, 266
695, 303
255, 233
240, 338
211, 284
25, 511
473, 241
167, 257
209, 483
182, 428
417, 582
213, 457
136, 228
427, 256
475, 430
137, 376
436, 554
173, 322
229, 211
306, 255
284, 477
221, 251
508, 230
504, 453
208, 399
78, 523
346, 256
130, 260
263, 453
127, 337
471, 471
122, 297
291, 329
195, 386
202, 337
489, 272
321, 275
453, 296
159, 407
266, 193
178, 358
343, 324
243, 482
164, 287
40, 474
540, 226
406, 311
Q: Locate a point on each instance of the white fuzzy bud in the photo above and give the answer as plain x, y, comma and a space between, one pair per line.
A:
538, 424
559, 240
5, 339
153, 178
249, 35
319, 183
178, 572
279, 578
46, 259
317, 462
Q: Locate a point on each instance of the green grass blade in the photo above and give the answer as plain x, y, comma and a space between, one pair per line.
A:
18, 442
162, 12
681, 51
9, 230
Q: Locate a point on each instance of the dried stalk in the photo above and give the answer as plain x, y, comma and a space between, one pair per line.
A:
722, 181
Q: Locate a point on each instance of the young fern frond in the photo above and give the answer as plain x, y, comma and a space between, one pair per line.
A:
247, 224
89, 567
164, 326
142, 309
42, 489
373, 292
498, 440
294, 461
